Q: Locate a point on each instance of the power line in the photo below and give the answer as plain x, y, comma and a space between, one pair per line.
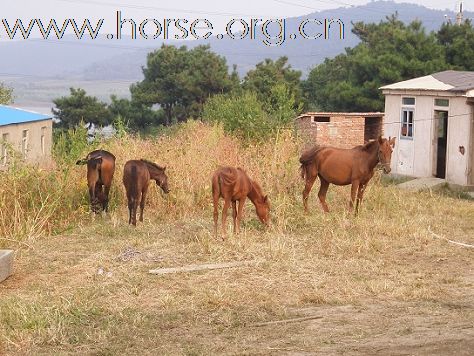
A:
143, 7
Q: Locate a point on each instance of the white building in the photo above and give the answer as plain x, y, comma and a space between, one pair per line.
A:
432, 118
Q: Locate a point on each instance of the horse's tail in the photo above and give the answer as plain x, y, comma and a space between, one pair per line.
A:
307, 157
133, 183
216, 186
81, 162
303, 171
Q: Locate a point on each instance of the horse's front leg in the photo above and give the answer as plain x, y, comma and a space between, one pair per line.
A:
224, 217
354, 188
240, 213
360, 193
234, 215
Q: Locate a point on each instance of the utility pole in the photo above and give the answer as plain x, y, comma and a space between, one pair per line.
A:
459, 15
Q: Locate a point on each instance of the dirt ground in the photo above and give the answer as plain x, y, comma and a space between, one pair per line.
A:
89, 292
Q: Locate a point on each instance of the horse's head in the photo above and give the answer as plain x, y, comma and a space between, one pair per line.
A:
263, 210
162, 181
386, 147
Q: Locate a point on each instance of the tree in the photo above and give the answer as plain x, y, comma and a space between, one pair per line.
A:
77, 107
240, 113
181, 80
6, 95
458, 42
268, 74
388, 52
135, 114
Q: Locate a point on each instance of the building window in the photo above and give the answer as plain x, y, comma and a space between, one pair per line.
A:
321, 119
43, 140
24, 143
441, 102
4, 157
408, 101
407, 123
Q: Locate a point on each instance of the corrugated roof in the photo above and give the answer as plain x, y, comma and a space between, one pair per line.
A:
10, 115
461, 81
449, 80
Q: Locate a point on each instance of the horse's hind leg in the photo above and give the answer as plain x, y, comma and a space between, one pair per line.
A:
142, 201
224, 217
322, 193
310, 179
105, 202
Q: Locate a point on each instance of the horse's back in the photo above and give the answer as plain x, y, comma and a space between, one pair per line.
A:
135, 173
233, 183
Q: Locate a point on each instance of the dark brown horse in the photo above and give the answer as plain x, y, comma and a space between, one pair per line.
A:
344, 166
136, 177
233, 184
100, 173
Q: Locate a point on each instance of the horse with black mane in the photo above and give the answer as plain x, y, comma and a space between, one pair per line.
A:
344, 166
136, 177
100, 173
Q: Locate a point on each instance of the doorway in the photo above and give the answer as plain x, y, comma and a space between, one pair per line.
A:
441, 141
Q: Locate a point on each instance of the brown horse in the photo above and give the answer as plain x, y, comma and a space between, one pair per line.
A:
233, 184
344, 166
136, 177
100, 173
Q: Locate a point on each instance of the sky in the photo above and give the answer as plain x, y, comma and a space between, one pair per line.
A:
218, 12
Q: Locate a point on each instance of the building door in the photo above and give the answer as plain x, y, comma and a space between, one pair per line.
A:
441, 139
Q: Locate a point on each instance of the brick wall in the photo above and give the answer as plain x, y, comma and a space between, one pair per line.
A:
341, 131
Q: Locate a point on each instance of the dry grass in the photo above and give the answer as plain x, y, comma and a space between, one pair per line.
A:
87, 291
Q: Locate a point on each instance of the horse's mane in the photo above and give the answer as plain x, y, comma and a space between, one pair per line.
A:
368, 146
308, 155
257, 187
153, 164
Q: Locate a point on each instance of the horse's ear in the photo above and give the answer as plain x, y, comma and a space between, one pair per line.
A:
265, 198
392, 141
380, 139
164, 168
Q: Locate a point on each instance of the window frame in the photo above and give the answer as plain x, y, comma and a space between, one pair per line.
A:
24, 142
406, 125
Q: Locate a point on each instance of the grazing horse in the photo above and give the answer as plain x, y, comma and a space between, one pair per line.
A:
344, 166
136, 177
100, 172
233, 184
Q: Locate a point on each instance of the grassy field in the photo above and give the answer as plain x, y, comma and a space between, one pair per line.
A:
379, 283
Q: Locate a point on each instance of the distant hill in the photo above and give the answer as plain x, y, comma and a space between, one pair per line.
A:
119, 62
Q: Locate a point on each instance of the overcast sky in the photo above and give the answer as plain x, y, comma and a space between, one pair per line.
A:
218, 12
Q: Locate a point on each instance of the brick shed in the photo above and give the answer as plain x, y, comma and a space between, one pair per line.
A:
340, 129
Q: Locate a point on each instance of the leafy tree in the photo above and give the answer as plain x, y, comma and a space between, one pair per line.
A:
388, 52
77, 107
136, 115
268, 74
6, 95
458, 41
181, 80
242, 114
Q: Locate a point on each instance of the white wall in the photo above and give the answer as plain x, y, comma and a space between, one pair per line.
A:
416, 157
459, 134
